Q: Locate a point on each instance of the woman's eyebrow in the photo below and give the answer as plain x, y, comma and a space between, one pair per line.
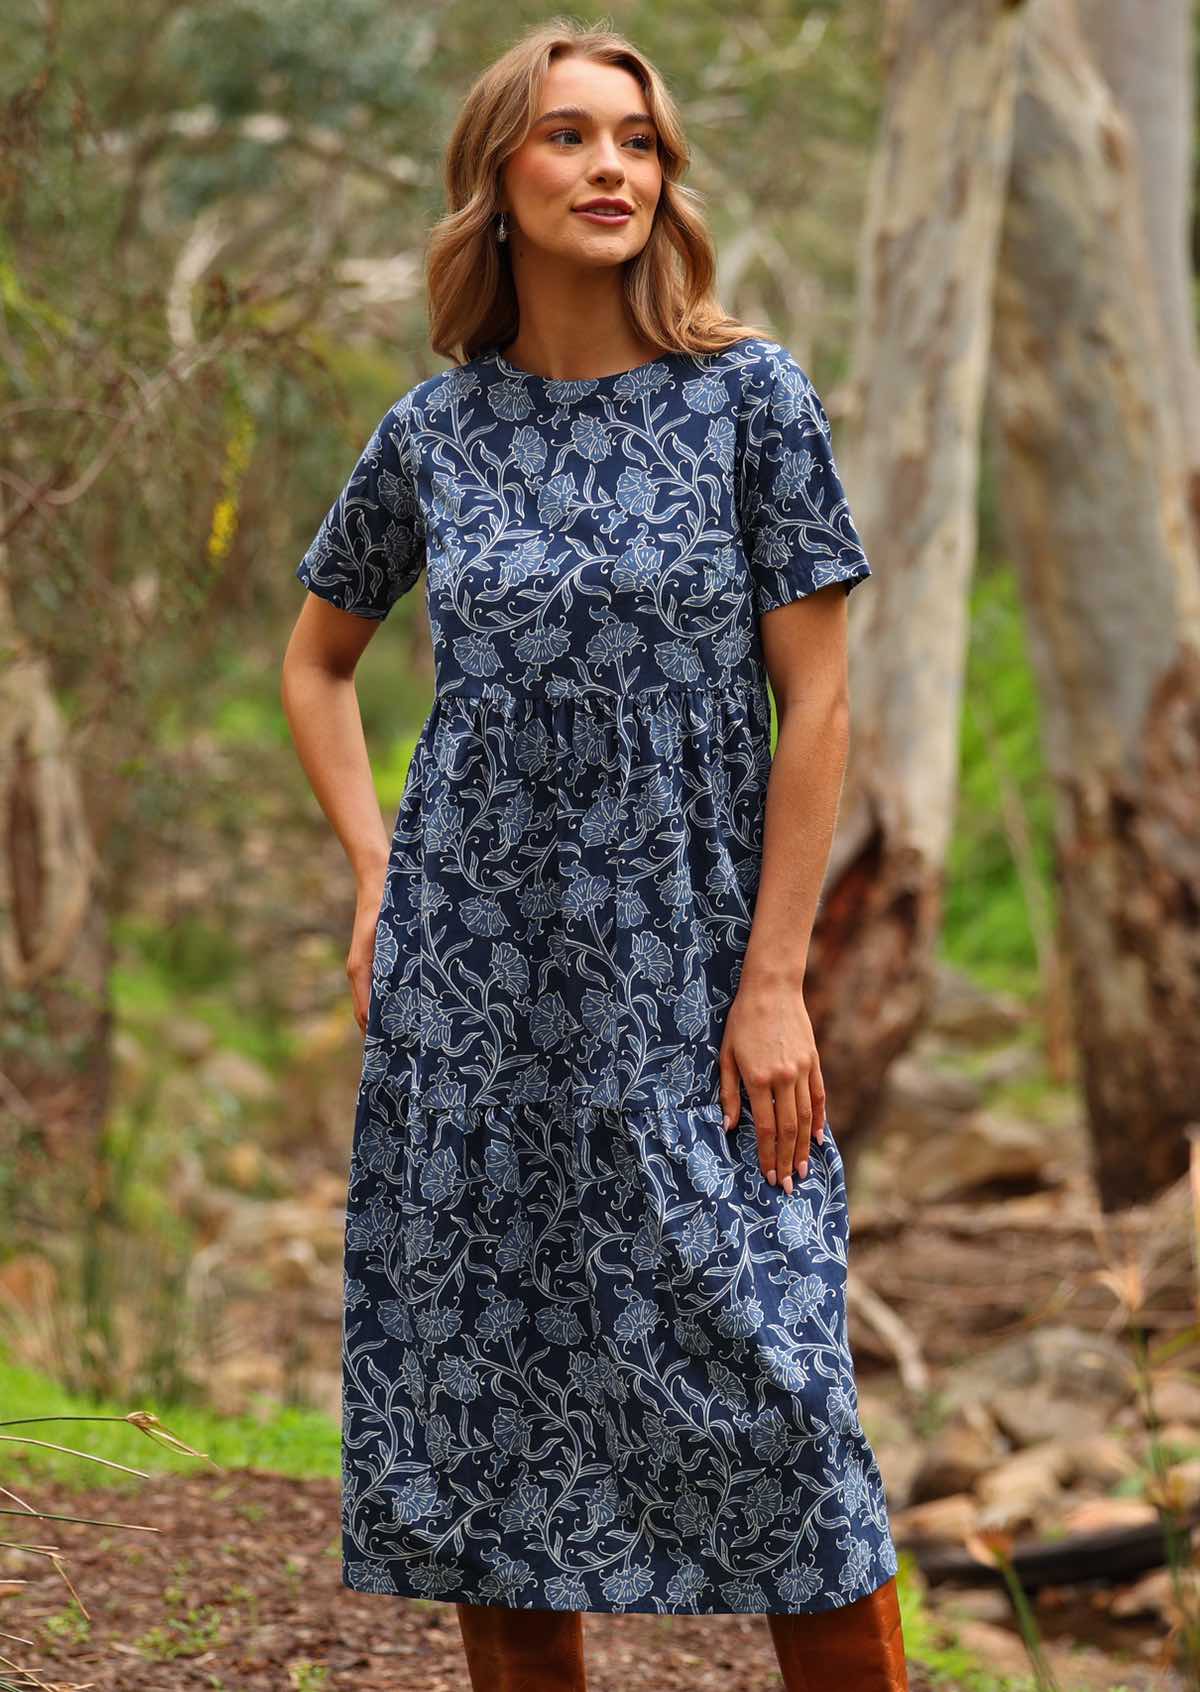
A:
582, 112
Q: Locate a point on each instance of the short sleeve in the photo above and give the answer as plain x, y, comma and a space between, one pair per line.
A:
370, 547
796, 524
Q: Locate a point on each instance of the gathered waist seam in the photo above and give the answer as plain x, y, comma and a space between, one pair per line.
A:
553, 690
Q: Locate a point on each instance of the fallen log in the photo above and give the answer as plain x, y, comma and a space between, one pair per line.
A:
1110, 1556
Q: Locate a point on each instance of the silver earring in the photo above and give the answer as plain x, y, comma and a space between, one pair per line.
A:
502, 231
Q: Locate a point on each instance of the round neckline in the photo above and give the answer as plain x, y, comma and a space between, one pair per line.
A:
587, 383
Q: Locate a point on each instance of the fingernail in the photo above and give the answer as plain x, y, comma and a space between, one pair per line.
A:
804, 1169
820, 1136
771, 1176
787, 1184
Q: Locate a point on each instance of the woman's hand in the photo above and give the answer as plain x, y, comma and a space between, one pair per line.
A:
360, 959
768, 1047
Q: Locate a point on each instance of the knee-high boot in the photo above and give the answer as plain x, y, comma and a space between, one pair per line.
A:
522, 1650
858, 1647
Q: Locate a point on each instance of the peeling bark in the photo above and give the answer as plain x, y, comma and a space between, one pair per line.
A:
1143, 49
908, 448
1096, 504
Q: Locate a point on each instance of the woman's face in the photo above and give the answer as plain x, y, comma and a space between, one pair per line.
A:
604, 147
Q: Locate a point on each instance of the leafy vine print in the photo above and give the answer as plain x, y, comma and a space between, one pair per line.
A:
591, 1359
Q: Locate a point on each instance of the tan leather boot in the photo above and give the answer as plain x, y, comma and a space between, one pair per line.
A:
522, 1650
856, 1648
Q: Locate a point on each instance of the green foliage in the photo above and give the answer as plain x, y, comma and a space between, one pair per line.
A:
988, 927
284, 1441
196, 969
391, 771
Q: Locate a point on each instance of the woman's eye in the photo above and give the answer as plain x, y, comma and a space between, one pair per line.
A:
647, 140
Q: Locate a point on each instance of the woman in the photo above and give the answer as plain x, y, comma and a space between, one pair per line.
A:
595, 1352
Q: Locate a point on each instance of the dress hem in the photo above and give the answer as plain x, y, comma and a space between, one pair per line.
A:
835, 1601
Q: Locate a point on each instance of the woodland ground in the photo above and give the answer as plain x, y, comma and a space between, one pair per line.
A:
241, 1592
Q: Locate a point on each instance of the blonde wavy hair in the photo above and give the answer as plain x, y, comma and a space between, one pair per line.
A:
669, 286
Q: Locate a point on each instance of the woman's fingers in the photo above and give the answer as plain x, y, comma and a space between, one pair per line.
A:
787, 1131
358, 973
730, 1089
762, 1106
360, 995
804, 1132
786, 1116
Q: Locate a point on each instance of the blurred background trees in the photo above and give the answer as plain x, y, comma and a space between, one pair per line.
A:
211, 287
975, 225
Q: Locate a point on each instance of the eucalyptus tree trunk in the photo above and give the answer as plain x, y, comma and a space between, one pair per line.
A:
908, 447
1144, 51
1095, 478
54, 945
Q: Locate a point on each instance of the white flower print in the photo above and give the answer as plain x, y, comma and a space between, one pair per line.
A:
590, 1358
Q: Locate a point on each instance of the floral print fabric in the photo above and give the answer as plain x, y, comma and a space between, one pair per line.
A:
591, 1359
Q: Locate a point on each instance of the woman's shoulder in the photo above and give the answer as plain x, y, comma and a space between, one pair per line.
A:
757, 369
763, 361
427, 393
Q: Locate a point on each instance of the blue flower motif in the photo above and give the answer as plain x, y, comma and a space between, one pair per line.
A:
440, 1176
709, 1173
744, 1594
685, 1587
459, 1379
638, 569
804, 1297
503, 1166
707, 394
367, 1575
698, 1239
626, 1586
395, 1320
514, 1248
510, 401
798, 1586
484, 915
679, 659
555, 1322
615, 641
740, 1317
857, 1566
590, 439
635, 493
604, 1502
692, 1515
585, 895
529, 450
692, 1010
524, 1507
502, 1317
508, 1578
558, 500
476, 655
567, 1592
416, 1499
771, 1437
590, 1358
637, 1321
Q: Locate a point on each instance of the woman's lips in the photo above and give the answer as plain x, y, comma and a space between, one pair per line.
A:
605, 216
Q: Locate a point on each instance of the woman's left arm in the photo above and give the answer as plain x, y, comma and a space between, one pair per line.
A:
768, 1043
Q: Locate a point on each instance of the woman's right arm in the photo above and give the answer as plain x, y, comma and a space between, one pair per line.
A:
321, 706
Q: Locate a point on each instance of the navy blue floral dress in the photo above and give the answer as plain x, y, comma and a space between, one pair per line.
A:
592, 1360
